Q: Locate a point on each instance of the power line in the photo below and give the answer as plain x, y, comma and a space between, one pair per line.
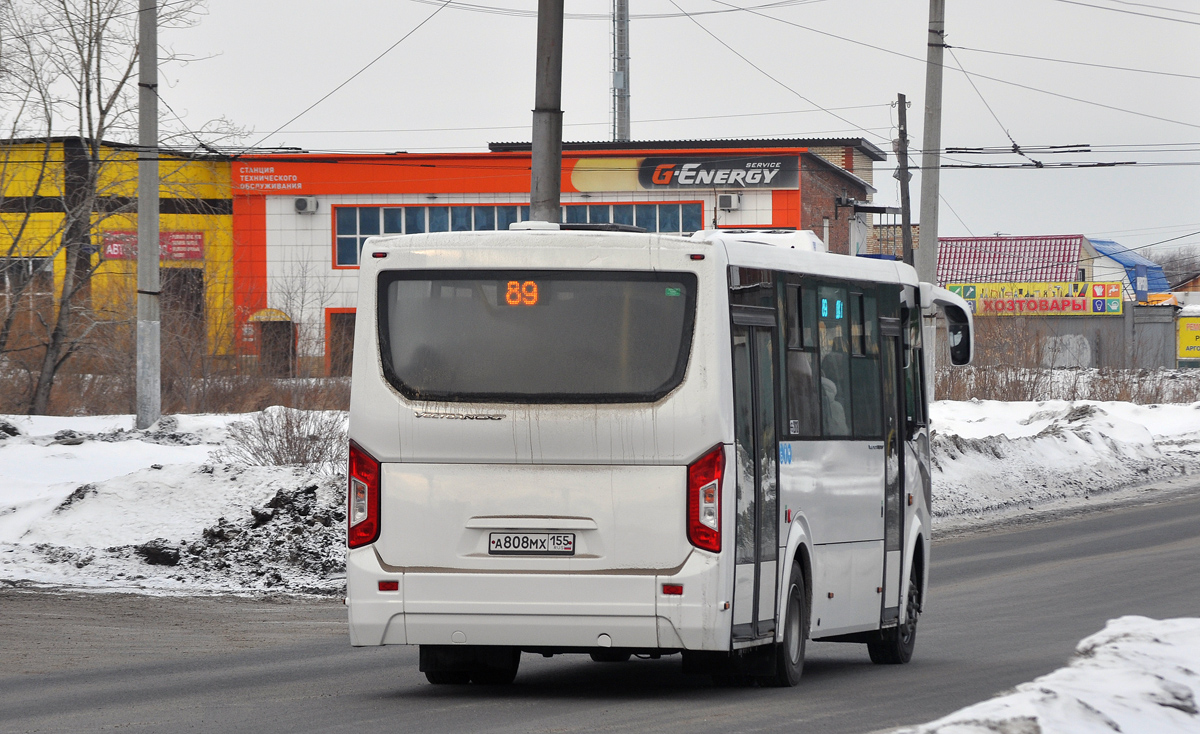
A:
980, 76
769, 76
1075, 63
519, 13
1156, 7
1128, 12
960, 219
594, 124
355, 74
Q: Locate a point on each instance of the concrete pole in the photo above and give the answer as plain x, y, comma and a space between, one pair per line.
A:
904, 176
931, 159
621, 71
545, 188
149, 397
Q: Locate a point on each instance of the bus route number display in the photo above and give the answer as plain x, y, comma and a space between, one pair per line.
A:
521, 293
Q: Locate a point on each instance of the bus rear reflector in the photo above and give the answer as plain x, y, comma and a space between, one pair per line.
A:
363, 510
704, 500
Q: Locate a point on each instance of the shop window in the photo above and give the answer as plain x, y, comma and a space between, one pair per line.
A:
353, 225
439, 219
29, 279
646, 217
393, 221
668, 217
691, 217
506, 215
341, 343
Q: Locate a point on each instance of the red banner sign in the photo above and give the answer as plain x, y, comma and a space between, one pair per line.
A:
122, 245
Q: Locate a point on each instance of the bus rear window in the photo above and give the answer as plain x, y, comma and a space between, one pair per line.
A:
535, 336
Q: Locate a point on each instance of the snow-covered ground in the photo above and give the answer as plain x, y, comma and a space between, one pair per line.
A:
1136, 676
92, 502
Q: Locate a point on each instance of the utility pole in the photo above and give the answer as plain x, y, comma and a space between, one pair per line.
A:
545, 186
904, 176
620, 90
149, 337
931, 145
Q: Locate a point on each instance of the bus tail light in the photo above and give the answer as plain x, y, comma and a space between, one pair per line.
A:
704, 500
363, 511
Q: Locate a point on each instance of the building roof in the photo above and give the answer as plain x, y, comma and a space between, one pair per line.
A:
866, 147
1045, 258
1157, 280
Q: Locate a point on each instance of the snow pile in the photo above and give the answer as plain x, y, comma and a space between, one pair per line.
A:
990, 455
91, 502
1136, 676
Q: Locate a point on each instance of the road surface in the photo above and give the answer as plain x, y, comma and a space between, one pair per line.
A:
1006, 605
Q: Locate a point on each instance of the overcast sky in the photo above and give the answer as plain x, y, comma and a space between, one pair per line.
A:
465, 78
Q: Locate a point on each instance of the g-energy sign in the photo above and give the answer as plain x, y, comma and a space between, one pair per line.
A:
756, 172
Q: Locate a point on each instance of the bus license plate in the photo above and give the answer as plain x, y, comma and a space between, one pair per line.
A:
532, 544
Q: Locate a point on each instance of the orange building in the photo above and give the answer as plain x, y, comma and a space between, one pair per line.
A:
300, 220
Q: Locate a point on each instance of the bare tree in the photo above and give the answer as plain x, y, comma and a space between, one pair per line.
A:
68, 69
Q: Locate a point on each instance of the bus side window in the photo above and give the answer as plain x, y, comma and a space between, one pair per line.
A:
804, 412
865, 368
914, 384
834, 339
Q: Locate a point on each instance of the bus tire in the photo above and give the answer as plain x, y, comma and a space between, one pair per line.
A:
895, 646
789, 654
444, 677
498, 668
610, 656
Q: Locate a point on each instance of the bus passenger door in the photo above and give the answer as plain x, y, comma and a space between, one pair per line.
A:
756, 450
893, 473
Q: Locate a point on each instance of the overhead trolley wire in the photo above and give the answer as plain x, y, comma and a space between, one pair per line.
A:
355, 75
762, 71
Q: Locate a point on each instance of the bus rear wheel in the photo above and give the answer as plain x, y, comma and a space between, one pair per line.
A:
895, 646
789, 654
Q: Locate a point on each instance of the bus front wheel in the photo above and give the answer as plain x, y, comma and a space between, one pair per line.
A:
895, 646
789, 654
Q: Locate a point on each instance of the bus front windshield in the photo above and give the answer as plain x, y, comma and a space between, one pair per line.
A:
535, 336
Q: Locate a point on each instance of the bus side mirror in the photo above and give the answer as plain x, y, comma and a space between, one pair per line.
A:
958, 322
958, 328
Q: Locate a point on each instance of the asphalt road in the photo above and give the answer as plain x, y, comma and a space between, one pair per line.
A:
1006, 605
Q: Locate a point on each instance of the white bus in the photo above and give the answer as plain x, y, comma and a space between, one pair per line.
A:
618, 443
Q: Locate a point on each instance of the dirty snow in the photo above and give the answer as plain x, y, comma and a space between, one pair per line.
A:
91, 502
991, 456
1136, 676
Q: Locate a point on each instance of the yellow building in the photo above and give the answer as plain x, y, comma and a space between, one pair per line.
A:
42, 180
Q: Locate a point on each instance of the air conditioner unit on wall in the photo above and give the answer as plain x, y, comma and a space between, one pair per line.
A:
729, 202
306, 205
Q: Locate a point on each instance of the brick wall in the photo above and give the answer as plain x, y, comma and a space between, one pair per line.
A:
819, 188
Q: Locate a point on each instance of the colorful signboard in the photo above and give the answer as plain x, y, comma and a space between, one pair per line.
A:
1189, 337
122, 245
1042, 299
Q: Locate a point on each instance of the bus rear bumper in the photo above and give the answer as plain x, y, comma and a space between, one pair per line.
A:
537, 610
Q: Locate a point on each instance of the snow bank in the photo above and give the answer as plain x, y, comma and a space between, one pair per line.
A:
989, 455
90, 502
1135, 676
93, 502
